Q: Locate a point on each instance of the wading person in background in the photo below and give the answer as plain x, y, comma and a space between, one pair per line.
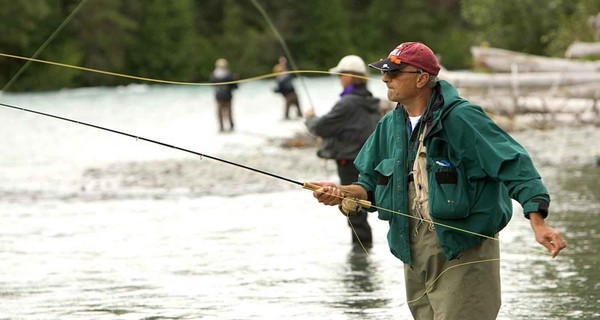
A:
448, 173
284, 85
223, 93
345, 128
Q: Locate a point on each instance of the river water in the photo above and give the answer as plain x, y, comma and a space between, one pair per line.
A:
95, 225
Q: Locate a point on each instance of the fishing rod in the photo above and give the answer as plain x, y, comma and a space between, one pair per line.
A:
305, 185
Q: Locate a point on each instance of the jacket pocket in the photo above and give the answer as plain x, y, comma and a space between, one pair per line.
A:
384, 187
448, 198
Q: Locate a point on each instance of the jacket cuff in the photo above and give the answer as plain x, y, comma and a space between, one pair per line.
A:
536, 205
370, 196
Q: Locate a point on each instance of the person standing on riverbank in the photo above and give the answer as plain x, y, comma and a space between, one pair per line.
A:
285, 86
344, 130
442, 173
223, 92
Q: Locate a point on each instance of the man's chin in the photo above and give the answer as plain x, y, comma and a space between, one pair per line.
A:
390, 95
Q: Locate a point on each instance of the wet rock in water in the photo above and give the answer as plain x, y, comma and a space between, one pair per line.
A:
300, 140
177, 177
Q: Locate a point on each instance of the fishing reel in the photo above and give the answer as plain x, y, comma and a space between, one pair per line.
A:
350, 207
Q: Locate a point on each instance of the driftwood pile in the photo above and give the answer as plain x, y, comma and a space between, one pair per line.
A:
522, 91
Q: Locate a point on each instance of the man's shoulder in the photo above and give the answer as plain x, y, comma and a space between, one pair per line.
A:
462, 109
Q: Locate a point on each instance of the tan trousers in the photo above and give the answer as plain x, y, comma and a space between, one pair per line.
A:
461, 289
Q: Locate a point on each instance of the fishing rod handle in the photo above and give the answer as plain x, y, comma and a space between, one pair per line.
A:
314, 187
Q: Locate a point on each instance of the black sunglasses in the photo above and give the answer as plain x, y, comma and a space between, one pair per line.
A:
393, 73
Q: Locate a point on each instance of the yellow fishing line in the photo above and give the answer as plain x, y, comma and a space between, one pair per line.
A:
115, 74
265, 76
260, 77
428, 289
431, 221
447, 269
357, 237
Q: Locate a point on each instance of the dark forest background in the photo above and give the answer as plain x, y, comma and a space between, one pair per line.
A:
179, 40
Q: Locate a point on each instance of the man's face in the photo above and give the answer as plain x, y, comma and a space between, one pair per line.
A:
401, 84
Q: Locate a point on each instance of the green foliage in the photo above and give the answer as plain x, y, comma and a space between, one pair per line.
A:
321, 47
20, 22
95, 35
180, 40
42, 77
574, 26
532, 26
162, 48
238, 41
509, 23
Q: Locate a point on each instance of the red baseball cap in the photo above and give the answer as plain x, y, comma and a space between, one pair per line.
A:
415, 54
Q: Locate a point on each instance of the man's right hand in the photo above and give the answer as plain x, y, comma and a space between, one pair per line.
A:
328, 193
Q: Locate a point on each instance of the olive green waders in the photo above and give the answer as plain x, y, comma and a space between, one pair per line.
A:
464, 288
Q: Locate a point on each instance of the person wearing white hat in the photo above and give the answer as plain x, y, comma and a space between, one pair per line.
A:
344, 130
350, 64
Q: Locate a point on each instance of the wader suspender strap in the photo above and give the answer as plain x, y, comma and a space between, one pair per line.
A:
421, 201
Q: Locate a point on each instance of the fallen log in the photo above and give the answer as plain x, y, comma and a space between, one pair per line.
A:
583, 50
540, 113
501, 60
510, 106
468, 79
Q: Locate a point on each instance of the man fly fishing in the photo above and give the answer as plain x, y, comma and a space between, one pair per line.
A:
440, 159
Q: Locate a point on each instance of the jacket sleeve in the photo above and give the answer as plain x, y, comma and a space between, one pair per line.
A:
489, 152
369, 157
329, 125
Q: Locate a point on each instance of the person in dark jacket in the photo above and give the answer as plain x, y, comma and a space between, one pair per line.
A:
345, 128
223, 92
285, 86
442, 173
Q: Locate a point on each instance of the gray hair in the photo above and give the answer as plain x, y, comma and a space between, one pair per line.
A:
432, 81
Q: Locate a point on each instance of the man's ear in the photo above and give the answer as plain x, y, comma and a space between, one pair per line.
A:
422, 79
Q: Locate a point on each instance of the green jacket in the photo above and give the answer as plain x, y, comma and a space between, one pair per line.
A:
474, 169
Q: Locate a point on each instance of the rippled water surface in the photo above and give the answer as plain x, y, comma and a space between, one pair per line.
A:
96, 225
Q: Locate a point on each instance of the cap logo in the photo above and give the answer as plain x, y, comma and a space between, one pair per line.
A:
385, 66
394, 56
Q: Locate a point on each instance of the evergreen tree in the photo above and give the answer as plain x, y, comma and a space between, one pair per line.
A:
180, 40
323, 34
519, 25
25, 26
104, 31
163, 45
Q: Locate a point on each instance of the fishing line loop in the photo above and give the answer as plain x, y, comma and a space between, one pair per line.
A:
146, 79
